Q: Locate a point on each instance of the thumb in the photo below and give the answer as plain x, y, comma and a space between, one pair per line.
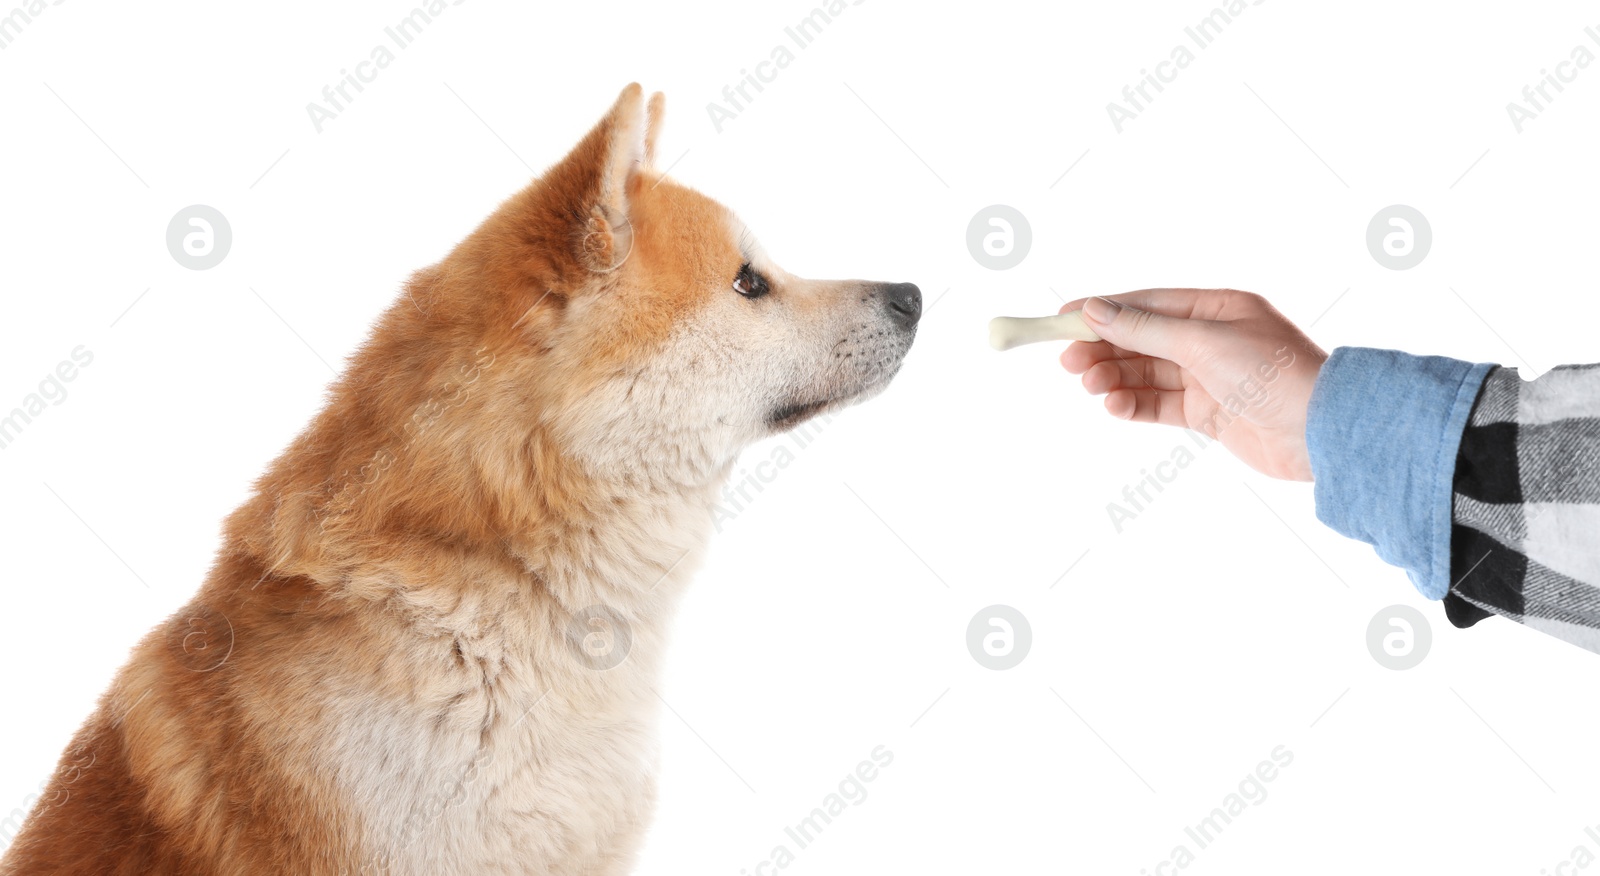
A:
1143, 332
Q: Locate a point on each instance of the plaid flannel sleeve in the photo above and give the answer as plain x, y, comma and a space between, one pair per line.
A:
1525, 535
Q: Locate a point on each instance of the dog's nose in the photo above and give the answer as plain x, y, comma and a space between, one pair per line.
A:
904, 301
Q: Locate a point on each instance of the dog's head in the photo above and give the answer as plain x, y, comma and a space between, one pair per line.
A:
661, 326
604, 324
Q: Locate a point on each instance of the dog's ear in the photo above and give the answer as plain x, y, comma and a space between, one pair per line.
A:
658, 111
591, 183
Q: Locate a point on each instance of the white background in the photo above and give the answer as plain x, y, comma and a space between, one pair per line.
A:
1221, 622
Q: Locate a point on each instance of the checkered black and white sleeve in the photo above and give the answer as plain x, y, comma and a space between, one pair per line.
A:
1525, 538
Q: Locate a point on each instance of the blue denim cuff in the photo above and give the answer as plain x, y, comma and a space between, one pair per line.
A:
1383, 429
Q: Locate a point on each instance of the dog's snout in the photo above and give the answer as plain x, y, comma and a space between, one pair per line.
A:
904, 302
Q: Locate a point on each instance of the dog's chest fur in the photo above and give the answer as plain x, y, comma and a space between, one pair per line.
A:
495, 740
539, 777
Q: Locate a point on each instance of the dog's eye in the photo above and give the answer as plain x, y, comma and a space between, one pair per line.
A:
749, 283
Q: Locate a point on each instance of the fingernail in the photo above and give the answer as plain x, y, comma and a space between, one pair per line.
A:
1100, 310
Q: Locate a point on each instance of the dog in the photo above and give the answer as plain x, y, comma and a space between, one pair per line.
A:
429, 642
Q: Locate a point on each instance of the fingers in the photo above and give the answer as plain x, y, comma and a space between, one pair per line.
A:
1080, 356
1140, 373
1137, 388
1178, 303
1178, 339
1147, 406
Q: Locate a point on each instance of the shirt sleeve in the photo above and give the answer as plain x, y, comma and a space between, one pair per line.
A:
1526, 505
1383, 430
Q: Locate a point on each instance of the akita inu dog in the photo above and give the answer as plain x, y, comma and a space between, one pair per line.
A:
428, 643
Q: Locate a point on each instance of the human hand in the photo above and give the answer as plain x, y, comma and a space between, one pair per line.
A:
1222, 362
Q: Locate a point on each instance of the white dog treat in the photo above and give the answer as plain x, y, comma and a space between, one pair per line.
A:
1006, 332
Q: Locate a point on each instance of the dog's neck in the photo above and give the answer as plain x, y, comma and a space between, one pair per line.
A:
630, 543
627, 540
